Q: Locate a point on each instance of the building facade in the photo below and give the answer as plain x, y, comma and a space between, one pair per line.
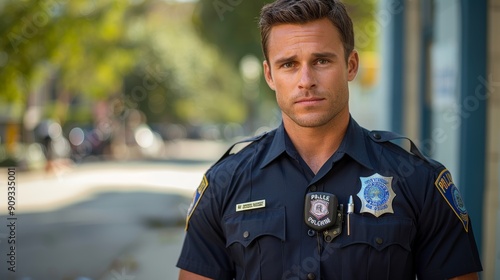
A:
440, 78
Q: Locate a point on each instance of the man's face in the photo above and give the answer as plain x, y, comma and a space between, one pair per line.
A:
306, 68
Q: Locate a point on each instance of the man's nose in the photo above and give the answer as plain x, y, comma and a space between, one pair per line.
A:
306, 79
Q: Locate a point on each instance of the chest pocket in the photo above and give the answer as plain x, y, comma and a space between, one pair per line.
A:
380, 232
255, 241
382, 246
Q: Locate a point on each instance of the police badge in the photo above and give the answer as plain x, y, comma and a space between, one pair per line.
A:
376, 195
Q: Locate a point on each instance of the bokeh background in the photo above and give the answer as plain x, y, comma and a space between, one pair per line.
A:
103, 77
112, 110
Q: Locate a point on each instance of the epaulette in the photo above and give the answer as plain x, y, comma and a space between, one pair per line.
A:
247, 140
386, 136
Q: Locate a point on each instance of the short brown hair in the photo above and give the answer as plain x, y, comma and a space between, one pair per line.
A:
304, 11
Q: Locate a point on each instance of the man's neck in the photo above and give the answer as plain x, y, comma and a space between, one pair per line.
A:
317, 144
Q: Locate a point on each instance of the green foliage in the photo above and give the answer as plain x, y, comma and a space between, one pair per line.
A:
63, 40
232, 25
366, 29
180, 77
145, 54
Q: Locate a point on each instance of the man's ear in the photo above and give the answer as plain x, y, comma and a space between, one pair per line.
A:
352, 65
268, 76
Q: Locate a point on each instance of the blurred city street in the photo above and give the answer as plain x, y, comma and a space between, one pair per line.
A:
103, 220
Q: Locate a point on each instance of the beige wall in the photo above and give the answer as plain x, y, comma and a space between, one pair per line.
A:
412, 70
491, 254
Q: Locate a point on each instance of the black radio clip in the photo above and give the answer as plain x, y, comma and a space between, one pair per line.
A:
323, 213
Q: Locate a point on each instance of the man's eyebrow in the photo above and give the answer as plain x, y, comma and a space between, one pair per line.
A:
325, 55
282, 60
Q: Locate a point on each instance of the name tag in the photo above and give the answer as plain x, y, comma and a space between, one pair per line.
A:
251, 205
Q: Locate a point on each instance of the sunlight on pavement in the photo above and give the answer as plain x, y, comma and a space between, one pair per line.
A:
46, 192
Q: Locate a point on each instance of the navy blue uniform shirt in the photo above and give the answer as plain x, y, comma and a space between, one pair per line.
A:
409, 219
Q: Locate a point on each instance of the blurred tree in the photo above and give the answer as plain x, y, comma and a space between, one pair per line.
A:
143, 53
72, 47
231, 25
200, 85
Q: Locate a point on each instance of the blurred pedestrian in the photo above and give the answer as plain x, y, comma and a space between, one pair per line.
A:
44, 137
55, 147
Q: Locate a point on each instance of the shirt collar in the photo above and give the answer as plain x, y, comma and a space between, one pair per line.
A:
353, 144
278, 146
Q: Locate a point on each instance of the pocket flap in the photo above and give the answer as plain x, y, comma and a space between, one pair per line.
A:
380, 232
244, 227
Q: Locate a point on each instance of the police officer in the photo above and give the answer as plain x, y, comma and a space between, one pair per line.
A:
321, 197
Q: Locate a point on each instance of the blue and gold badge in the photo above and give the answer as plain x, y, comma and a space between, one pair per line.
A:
376, 195
444, 183
196, 198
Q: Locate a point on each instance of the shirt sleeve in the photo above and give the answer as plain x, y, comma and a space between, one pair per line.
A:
204, 251
445, 244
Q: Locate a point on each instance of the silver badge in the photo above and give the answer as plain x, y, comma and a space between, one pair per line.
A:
376, 195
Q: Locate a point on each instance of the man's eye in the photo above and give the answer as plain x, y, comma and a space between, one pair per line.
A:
287, 65
322, 61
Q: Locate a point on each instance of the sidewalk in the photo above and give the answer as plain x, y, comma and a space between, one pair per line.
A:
101, 221
104, 220
40, 191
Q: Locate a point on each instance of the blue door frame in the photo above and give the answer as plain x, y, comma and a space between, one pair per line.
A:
473, 129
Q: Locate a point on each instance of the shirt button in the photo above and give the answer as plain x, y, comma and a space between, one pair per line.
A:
311, 233
313, 188
311, 276
379, 240
246, 234
376, 136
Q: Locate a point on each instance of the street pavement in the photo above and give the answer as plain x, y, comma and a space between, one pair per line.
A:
99, 221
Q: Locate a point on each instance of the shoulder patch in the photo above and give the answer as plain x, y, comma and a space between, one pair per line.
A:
444, 183
196, 198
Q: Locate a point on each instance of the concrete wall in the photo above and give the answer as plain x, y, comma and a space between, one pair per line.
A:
412, 70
